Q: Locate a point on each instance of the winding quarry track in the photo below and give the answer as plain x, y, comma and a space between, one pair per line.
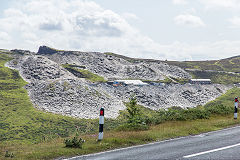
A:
223, 144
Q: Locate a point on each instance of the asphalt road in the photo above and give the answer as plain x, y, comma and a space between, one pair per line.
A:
224, 144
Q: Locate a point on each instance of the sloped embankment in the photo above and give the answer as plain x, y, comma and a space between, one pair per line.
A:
54, 89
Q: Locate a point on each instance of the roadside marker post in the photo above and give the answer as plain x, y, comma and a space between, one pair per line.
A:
101, 122
235, 108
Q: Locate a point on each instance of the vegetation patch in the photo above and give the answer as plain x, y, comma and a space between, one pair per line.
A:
83, 73
75, 142
216, 77
216, 70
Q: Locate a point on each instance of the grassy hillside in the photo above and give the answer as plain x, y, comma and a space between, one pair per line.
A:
216, 77
216, 70
19, 120
231, 64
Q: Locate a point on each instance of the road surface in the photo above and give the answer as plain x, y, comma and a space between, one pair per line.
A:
224, 144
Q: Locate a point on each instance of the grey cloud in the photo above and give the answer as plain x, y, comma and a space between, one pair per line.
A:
50, 26
91, 26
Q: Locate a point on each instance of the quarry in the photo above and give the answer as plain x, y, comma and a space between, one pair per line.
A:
55, 88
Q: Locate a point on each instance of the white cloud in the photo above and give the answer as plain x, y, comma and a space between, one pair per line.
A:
189, 20
231, 4
181, 2
84, 25
4, 36
235, 21
190, 11
203, 50
130, 16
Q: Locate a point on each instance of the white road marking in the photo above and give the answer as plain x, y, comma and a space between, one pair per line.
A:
210, 151
158, 142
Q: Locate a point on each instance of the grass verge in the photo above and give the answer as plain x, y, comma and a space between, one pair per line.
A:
114, 139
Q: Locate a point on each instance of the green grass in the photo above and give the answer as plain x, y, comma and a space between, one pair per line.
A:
114, 139
231, 64
216, 77
83, 73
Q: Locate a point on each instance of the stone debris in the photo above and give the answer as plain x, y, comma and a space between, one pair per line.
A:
112, 67
53, 89
165, 96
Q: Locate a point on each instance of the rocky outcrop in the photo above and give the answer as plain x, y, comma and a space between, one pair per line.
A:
46, 50
22, 52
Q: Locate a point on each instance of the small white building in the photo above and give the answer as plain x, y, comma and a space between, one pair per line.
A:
200, 81
129, 82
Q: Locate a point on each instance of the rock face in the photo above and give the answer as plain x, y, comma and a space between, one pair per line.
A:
54, 89
46, 50
112, 67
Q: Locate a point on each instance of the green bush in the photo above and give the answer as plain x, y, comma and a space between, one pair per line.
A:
9, 155
74, 142
219, 109
179, 114
133, 111
135, 118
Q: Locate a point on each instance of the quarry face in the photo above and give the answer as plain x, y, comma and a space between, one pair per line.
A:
53, 88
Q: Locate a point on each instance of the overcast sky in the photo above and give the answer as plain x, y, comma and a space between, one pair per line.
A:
159, 29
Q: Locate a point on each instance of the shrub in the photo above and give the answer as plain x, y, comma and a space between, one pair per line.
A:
135, 119
7, 155
74, 142
179, 114
219, 109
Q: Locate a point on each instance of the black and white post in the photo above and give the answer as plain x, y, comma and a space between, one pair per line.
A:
235, 108
101, 122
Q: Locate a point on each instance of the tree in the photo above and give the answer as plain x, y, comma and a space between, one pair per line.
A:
133, 110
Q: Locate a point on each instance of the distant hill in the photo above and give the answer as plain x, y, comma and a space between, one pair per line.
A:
223, 71
231, 64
